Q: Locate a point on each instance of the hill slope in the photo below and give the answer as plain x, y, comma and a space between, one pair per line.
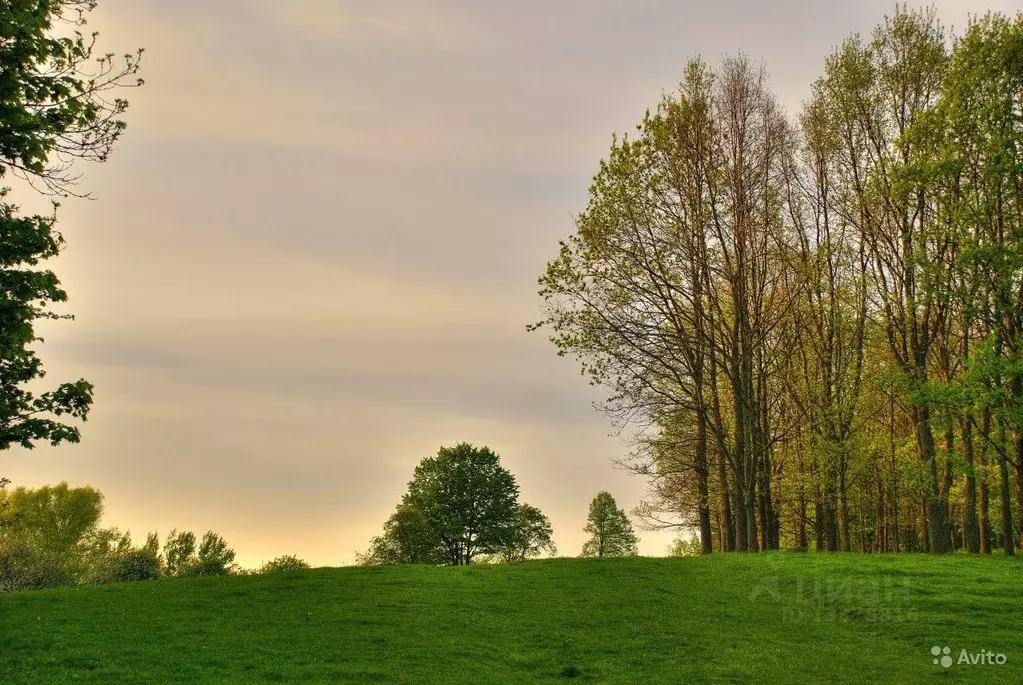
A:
771, 618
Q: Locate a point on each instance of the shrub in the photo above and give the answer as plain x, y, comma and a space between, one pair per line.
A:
288, 562
127, 565
25, 567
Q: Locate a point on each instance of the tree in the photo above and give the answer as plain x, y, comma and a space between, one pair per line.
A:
459, 504
215, 558
54, 109
178, 552
407, 539
180, 557
56, 519
611, 531
55, 106
467, 499
531, 535
974, 171
672, 291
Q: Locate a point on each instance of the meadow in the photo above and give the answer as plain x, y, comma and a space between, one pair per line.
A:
778, 617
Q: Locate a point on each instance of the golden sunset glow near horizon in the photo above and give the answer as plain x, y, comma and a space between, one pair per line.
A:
313, 255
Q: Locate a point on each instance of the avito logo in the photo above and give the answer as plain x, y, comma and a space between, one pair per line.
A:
943, 656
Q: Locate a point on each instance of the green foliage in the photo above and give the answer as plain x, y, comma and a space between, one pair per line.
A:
182, 559
25, 294
685, 547
287, 562
459, 504
407, 538
53, 103
610, 529
54, 91
108, 556
215, 558
56, 519
179, 552
531, 536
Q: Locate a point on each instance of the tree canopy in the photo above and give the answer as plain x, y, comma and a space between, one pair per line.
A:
815, 323
459, 505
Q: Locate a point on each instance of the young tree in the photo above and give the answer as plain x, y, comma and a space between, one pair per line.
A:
54, 109
531, 535
611, 531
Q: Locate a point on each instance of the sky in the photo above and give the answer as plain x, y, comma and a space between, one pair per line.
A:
312, 257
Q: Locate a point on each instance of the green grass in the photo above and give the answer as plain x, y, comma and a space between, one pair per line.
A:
771, 618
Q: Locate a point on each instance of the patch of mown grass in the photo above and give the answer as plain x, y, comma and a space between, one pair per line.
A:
768, 618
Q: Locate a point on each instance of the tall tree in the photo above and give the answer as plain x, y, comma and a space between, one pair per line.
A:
975, 171
672, 291
611, 533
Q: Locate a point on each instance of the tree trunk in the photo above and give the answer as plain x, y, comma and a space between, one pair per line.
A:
727, 524
984, 524
703, 485
971, 534
1018, 468
843, 503
1008, 542
937, 509
895, 472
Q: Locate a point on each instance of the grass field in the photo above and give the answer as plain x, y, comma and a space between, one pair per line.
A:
772, 618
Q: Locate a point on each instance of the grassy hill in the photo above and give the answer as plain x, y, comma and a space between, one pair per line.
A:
771, 618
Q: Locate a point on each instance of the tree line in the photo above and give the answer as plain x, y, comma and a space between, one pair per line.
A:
814, 324
51, 536
462, 506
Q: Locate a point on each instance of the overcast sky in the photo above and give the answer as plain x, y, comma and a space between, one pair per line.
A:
313, 255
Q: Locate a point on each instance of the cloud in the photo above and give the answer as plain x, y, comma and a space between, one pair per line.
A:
378, 25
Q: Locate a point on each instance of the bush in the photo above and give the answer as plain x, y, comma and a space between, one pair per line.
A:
25, 567
287, 562
205, 567
128, 565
